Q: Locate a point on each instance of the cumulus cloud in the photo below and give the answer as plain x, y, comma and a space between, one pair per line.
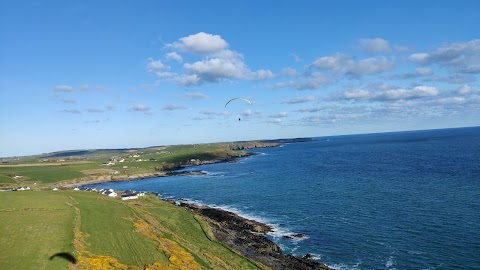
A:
140, 108
188, 80
373, 45
154, 65
217, 62
174, 56
419, 72
158, 68
92, 110
311, 81
276, 121
207, 115
388, 94
73, 111
250, 114
263, 74
68, 100
416, 92
462, 56
358, 94
346, 64
200, 43
464, 89
424, 71
173, 107
280, 115
63, 88
290, 72
195, 96
297, 100
215, 69
315, 109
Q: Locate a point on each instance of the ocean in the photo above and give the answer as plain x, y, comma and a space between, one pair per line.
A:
401, 200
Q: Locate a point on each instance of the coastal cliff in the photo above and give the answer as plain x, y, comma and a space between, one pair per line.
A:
248, 237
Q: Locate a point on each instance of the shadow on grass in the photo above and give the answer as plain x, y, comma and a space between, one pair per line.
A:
65, 255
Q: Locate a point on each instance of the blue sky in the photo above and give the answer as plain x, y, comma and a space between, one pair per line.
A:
114, 74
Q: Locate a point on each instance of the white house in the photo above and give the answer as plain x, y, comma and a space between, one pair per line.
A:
110, 193
129, 197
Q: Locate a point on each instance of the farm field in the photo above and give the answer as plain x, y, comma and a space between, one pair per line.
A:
76, 166
79, 229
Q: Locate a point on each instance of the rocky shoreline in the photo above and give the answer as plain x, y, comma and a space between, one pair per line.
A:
248, 237
243, 235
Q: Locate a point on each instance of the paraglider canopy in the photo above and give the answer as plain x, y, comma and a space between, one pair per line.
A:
239, 98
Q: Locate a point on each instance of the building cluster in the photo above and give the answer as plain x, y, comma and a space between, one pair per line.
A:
125, 195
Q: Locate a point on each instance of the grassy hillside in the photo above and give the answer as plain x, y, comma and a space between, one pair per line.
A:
105, 233
74, 166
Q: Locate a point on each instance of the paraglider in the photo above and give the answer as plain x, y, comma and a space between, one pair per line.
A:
244, 99
239, 98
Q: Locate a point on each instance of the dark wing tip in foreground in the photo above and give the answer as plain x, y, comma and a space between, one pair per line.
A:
65, 255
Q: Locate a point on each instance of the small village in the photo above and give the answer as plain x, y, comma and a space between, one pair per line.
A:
124, 195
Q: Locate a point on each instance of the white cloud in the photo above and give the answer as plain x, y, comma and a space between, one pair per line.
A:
200, 43
154, 65
416, 92
449, 101
388, 94
373, 45
159, 69
188, 80
64, 88
464, 89
314, 81
215, 69
92, 110
217, 63
358, 94
290, 72
250, 114
276, 121
315, 109
263, 74
310, 81
424, 71
300, 100
173, 107
418, 57
346, 64
173, 56
68, 100
195, 96
140, 108
72, 111
206, 115
280, 115
462, 56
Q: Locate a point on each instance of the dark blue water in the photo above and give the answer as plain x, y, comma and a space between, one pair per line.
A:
405, 200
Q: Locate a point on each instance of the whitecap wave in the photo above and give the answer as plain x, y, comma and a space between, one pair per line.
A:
342, 266
389, 263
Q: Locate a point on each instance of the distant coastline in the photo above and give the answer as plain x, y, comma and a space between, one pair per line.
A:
239, 145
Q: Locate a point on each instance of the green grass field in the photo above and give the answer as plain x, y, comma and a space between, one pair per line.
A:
52, 170
38, 224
